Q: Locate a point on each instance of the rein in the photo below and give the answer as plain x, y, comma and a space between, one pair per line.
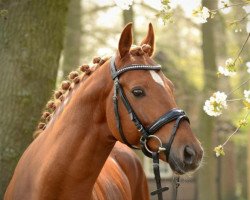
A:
174, 114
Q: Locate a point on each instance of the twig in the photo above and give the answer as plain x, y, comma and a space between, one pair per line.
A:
240, 20
238, 87
228, 6
230, 100
237, 129
243, 46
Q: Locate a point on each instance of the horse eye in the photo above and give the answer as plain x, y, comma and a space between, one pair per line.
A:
138, 92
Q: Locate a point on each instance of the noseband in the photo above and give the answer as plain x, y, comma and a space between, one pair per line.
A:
174, 114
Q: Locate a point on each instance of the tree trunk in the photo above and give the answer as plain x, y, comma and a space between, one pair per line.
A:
31, 36
207, 174
128, 16
72, 41
248, 167
228, 179
227, 164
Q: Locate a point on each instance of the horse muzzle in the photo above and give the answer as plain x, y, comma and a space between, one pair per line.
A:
185, 160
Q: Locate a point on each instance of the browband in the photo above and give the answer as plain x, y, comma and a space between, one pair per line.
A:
116, 73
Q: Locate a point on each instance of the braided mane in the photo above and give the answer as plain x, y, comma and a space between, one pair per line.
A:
74, 78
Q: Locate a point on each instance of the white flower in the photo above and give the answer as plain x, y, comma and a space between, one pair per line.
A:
219, 151
248, 67
229, 62
224, 4
201, 14
247, 8
224, 71
229, 69
247, 95
216, 104
124, 4
248, 26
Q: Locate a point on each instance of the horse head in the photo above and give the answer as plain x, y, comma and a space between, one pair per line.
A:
142, 111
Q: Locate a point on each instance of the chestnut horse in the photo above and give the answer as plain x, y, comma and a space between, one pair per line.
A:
73, 159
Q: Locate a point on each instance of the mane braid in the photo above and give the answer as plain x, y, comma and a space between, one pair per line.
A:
74, 78
57, 100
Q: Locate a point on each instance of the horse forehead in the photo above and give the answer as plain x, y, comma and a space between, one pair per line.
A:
157, 78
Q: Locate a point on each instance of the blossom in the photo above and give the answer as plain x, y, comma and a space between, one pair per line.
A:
229, 69
248, 27
224, 71
229, 62
216, 103
201, 14
247, 95
247, 8
242, 122
248, 67
224, 5
124, 4
219, 151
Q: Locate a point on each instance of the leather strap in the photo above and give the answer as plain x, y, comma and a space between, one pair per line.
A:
117, 116
177, 184
156, 169
116, 73
173, 133
166, 118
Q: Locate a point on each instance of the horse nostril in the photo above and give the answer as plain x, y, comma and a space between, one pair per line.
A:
189, 155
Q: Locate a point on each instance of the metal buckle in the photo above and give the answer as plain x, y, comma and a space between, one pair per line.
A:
140, 129
161, 148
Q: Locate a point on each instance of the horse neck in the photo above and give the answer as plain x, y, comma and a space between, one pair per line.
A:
80, 138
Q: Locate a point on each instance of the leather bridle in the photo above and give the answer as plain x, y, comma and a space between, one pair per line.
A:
174, 114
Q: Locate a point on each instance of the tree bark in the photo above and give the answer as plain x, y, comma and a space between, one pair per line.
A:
128, 16
72, 41
207, 174
248, 167
227, 164
31, 40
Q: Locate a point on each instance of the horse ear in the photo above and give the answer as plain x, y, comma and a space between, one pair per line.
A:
126, 40
150, 39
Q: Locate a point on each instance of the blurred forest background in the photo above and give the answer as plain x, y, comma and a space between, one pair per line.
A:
42, 41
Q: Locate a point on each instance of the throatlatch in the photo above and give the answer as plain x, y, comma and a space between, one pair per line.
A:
174, 114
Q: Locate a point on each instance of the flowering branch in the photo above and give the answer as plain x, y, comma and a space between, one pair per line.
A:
218, 101
166, 13
203, 13
243, 46
228, 6
246, 81
230, 64
230, 100
239, 20
219, 150
242, 122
